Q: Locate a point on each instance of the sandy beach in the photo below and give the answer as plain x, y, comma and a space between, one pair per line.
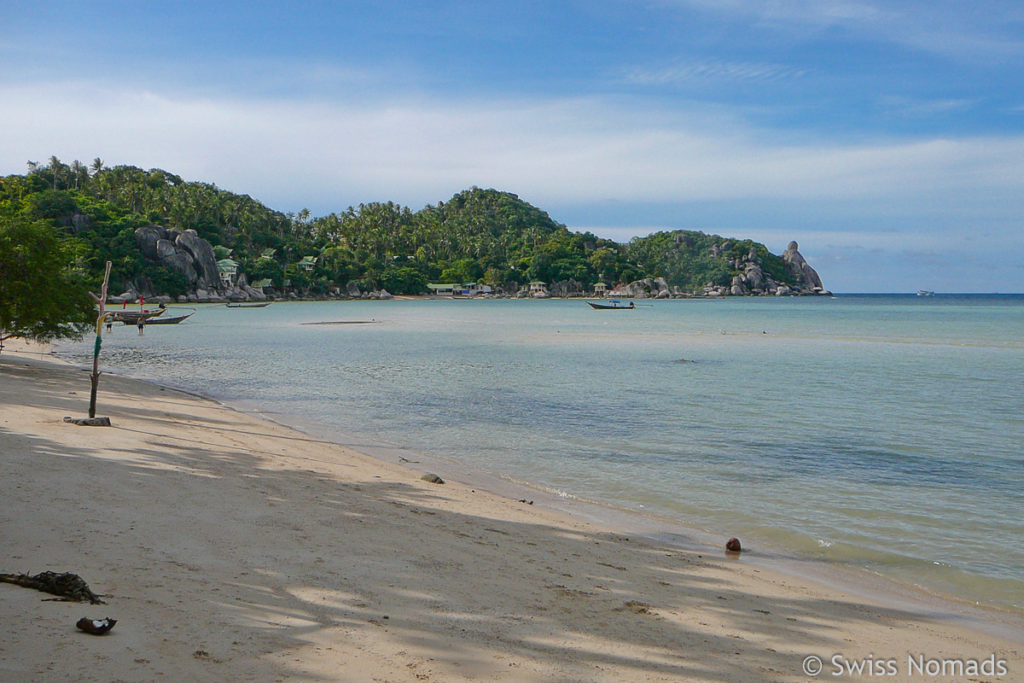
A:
233, 548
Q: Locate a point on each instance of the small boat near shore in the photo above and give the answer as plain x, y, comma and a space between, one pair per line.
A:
254, 304
614, 306
133, 317
169, 320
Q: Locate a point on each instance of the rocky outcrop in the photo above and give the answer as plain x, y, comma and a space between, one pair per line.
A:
807, 277
750, 279
203, 259
244, 292
568, 287
648, 288
186, 253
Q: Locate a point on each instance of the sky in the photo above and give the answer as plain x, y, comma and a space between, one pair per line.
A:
886, 138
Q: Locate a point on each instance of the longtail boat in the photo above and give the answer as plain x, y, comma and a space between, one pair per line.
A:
132, 317
169, 320
614, 306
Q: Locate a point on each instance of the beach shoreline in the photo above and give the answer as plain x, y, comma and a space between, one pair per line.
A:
868, 584
209, 529
858, 581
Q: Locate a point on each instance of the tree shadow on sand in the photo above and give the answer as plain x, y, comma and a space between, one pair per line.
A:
263, 567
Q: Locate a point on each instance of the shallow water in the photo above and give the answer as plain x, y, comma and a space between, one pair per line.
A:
881, 432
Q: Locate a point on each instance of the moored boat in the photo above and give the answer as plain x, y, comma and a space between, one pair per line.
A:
169, 320
614, 306
254, 304
133, 317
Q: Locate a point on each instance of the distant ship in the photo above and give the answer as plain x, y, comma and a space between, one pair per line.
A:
925, 292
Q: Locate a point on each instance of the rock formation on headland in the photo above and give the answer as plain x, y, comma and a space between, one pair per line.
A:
187, 253
755, 272
807, 276
184, 252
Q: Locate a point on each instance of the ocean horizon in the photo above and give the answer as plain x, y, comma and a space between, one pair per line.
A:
872, 431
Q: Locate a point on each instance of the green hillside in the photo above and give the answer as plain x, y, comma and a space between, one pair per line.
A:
479, 235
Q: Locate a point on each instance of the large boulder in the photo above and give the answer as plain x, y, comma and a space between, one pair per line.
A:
806, 276
646, 288
183, 264
568, 287
203, 258
165, 250
184, 252
146, 238
753, 276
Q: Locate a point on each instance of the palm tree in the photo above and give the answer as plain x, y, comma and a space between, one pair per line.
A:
97, 165
55, 167
79, 172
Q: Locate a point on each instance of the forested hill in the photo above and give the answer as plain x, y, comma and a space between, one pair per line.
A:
478, 235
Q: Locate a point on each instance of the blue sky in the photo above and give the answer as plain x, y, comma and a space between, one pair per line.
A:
887, 138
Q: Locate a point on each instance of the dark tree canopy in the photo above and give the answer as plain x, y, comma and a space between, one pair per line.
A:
42, 296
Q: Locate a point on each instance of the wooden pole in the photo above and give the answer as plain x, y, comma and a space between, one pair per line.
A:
95, 377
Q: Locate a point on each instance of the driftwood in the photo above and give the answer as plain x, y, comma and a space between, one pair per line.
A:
70, 587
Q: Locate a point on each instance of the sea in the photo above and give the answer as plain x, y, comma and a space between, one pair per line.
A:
876, 433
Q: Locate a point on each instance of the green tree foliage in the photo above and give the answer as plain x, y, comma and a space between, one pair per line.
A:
403, 280
479, 235
691, 260
42, 296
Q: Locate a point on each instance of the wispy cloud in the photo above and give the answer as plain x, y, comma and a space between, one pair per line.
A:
685, 72
815, 13
944, 27
900, 105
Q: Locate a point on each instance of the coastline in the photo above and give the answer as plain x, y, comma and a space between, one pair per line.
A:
859, 582
235, 547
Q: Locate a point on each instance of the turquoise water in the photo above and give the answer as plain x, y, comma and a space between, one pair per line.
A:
882, 432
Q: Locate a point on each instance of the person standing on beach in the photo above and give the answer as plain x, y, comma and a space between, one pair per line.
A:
142, 326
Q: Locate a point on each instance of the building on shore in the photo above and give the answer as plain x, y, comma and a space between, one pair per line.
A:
473, 289
442, 289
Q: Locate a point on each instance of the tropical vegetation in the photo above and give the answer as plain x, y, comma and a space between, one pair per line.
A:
479, 235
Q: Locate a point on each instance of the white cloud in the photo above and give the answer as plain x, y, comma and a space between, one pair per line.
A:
565, 151
856, 209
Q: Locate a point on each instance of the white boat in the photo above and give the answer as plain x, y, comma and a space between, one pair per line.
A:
925, 292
